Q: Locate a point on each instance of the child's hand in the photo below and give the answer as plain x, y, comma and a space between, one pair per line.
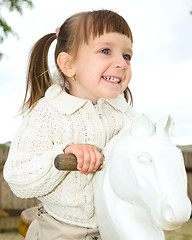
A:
88, 157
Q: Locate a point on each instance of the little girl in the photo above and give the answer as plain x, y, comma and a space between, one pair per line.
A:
80, 116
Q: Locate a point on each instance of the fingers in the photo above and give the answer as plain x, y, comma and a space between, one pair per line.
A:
90, 162
99, 159
88, 157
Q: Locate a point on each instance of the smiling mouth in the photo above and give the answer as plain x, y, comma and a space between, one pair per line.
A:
112, 79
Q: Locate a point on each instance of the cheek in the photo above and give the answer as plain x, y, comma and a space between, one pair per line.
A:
129, 75
128, 78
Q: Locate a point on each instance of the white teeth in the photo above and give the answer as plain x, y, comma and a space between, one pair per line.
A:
112, 79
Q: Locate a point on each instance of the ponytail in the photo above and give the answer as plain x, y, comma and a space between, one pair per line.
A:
38, 75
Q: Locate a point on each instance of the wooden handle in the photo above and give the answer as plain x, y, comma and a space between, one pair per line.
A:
68, 162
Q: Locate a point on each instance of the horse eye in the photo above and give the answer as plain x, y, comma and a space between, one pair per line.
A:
145, 158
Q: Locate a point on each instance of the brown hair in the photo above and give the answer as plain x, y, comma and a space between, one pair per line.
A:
76, 30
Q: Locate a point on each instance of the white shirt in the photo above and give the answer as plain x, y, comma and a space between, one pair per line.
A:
60, 119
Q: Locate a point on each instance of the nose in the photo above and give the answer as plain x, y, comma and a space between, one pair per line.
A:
168, 213
121, 63
176, 211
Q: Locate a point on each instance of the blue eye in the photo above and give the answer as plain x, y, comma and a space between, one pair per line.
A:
105, 51
127, 57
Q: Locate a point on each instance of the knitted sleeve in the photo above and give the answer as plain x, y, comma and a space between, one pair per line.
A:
29, 169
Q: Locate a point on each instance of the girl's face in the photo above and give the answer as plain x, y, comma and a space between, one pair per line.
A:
102, 67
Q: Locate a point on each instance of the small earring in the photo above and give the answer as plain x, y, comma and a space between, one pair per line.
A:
74, 77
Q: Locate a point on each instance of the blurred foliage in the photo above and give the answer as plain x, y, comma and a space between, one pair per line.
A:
12, 5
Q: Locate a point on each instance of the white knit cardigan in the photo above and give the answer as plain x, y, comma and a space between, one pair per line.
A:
58, 120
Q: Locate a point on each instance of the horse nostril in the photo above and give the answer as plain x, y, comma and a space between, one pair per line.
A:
168, 214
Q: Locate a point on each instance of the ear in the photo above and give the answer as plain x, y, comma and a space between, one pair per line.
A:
165, 126
141, 126
65, 64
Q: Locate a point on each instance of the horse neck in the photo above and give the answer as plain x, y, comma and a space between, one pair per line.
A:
135, 223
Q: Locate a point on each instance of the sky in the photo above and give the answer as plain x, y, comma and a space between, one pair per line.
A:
162, 57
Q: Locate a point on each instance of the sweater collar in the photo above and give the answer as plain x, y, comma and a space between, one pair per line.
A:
68, 104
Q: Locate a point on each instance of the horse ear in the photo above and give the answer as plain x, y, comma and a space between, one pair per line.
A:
165, 126
141, 126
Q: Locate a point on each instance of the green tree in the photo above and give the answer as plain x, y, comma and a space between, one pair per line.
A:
12, 5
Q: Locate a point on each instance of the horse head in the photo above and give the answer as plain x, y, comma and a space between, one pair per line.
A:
146, 169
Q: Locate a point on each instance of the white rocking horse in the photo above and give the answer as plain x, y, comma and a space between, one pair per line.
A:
142, 188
